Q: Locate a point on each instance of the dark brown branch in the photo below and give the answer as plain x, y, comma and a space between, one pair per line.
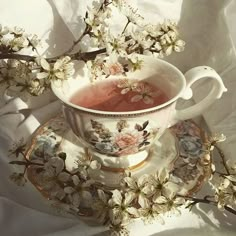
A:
25, 163
207, 201
222, 158
85, 56
16, 56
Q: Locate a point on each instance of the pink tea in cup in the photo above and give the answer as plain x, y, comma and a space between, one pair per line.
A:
119, 95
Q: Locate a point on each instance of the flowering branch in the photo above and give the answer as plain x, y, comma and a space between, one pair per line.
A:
30, 75
147, 197
206, 200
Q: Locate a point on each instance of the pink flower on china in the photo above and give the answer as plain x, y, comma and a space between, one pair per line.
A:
128, 139
112, 66
115, 69
128, 150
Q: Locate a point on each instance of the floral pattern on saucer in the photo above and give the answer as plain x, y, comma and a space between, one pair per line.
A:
191, 151
189, 170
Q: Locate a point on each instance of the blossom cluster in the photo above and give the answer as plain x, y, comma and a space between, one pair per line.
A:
15, 39
24, 75
225, 187
148, 197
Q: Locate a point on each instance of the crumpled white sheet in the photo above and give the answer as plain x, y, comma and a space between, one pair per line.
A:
208, 29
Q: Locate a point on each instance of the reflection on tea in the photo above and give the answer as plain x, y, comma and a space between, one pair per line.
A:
119, 96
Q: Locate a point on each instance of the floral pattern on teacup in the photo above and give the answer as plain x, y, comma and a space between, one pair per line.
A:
124, 141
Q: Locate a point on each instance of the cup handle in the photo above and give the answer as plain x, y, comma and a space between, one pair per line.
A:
217, 89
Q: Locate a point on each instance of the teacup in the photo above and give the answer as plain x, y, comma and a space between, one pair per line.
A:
123, 139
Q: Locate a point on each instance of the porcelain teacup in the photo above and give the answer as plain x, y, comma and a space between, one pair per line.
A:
123, 139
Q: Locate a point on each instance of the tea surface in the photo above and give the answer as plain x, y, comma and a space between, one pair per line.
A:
119, 96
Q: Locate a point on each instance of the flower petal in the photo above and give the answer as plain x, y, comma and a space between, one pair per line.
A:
179, 201
148, 100
148, 190
129, 197
95, 165
63, 177
168, 50
69, 190
133, 211
160, 208
76, 199
42, 75
117, 197
163, 175
75, 180
102, 196
136, 98
143, 201
60, 75
131, 183
142, 180
86, 195
125, 90
180, 43
161, 200
45, 64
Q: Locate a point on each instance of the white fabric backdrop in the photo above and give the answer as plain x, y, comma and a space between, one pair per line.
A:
207, 27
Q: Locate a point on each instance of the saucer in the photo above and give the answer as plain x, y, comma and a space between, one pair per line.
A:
181, 150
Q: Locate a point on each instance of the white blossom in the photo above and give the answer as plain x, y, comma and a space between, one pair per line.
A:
18, 43
3, 30
95, 68
140, 38
18, 30
168, 202
85, 165
130, 13
150, 213
121, 211
61, 70
153, 30
35, 87
135, 62
34, 40
159, 182
127, 85
116, 45
79, 191
141, 188
145, 94
225, 192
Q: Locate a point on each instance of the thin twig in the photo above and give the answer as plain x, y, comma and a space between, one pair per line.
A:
223, 158
16, 56
126, 26
85, 56
207, 201
86, 31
